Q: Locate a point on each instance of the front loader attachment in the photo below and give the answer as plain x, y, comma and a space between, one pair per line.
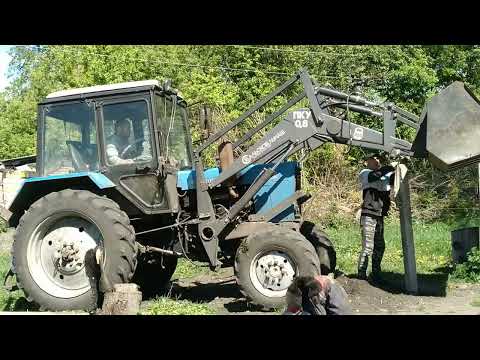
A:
449, 134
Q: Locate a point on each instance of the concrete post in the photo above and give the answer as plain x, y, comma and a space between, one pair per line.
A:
402, 198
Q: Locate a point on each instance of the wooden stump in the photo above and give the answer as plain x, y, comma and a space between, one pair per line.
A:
125, 299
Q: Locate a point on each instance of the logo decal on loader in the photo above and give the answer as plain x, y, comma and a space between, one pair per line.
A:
302, 115
358, 133
301, 118
247, 159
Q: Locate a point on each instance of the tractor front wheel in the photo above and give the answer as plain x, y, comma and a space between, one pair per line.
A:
68, 243
267, 262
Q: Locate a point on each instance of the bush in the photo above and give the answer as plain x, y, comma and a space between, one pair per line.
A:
469, 271
3, 226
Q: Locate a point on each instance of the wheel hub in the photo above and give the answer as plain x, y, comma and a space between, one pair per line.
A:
68, 258
273, 273
58, 252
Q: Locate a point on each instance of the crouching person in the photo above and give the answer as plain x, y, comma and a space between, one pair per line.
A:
319, 295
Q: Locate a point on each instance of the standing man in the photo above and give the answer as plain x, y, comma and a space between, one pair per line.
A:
376, 182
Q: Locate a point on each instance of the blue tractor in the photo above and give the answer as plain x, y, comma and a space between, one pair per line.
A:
120, 194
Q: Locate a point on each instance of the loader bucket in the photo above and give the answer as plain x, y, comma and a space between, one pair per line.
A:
449, 133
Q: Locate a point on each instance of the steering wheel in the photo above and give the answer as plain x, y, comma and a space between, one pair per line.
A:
129, 147
77, 161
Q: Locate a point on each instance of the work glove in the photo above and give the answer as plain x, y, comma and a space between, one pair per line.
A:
399, 175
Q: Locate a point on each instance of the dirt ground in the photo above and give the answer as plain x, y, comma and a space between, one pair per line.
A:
435, 296
387, 297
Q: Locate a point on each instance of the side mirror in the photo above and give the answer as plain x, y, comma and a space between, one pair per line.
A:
167, 84
205, 121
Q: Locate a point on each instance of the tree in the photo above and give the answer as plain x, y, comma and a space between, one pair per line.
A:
232, 78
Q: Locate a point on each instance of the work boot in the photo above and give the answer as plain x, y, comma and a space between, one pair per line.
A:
362, 275
376, 266
376, 276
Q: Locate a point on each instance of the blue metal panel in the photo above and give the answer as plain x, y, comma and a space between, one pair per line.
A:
99, 179
278, 188
186, 178
31, 186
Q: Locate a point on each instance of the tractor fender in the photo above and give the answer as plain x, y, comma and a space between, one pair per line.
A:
246, 228
34, 188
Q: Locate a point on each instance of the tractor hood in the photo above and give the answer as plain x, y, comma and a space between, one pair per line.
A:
449, 133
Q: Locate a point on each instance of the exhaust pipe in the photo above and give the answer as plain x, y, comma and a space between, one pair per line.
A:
449, 133
225, 154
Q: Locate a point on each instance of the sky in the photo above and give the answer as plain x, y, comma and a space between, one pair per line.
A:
4, 60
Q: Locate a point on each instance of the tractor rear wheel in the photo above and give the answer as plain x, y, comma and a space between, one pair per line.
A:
266, 263
323, 246
69, 247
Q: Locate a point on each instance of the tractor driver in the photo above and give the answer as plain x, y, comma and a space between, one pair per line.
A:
118, 142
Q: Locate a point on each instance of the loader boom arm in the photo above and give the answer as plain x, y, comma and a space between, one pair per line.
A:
311, 127
302, 129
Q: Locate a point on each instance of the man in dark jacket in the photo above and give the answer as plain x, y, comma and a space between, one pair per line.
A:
319, 295
376, 182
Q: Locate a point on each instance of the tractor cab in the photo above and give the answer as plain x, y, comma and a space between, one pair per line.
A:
129, 132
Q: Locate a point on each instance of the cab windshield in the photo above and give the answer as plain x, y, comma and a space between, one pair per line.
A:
70, 139
172, 124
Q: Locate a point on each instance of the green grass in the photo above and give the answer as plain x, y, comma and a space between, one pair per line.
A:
432, 247
10, 301
185, 270
167, 306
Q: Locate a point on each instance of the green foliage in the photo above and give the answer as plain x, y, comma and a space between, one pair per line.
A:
3, 226
10, 301
17, 130
469, 271
334, 218
232, 78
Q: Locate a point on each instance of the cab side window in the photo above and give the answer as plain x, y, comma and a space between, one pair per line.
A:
127, 133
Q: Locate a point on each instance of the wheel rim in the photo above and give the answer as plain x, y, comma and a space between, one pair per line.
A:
61, 254
272, 272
